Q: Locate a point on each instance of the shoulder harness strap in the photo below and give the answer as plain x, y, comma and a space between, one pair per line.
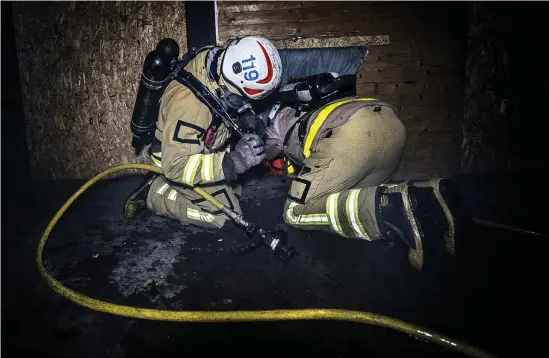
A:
219, 114
302, 128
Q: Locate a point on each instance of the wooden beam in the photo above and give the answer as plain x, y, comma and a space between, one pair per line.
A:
325, 41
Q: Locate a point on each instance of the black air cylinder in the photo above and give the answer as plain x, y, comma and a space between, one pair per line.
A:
313, 89
299, 92
156, 69
305, 89
170, 49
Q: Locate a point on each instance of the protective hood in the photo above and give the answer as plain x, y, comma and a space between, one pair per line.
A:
275, 136
214, 59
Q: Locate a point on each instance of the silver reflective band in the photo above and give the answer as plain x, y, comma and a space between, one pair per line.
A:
190, 168
199, 215
352, 213
331, 210
173, 195
162, 189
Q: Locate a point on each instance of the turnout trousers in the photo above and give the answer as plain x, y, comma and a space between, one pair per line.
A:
336, 188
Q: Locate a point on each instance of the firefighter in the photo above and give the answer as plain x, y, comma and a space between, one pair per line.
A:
346, 152
191, 145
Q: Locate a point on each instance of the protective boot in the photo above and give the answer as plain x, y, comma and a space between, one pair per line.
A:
441, 209
137, 201
398, 218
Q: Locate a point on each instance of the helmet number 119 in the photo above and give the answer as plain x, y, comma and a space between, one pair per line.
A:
251, 75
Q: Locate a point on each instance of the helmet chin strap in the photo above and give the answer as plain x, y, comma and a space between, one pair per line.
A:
230, 100
229, 87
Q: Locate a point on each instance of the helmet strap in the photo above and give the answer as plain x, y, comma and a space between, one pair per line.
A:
231, 101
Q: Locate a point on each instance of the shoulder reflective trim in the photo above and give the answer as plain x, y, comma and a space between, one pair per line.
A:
198, 215
207, 168
352, 214
191, 167
319, 120
173, 195
162, 189
331, 210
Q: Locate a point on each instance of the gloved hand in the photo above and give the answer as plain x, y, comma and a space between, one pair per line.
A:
250, 123
248, 152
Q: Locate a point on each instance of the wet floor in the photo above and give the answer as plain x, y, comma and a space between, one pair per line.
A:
485, 297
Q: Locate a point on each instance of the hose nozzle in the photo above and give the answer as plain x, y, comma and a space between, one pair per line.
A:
276, 241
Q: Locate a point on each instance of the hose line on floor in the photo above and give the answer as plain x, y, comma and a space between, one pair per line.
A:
230, 316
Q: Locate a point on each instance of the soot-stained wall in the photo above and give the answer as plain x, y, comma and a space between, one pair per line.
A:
80, 64
416, 62
507, 87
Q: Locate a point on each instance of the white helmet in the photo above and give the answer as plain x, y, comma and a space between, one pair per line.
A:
252, 65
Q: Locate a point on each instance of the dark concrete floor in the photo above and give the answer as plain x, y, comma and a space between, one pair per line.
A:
486, 297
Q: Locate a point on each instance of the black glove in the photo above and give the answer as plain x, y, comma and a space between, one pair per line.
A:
250, 123
248, 152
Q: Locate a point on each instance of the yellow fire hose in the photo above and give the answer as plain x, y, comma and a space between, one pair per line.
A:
230, 316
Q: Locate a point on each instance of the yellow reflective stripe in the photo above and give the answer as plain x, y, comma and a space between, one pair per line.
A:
190, 169
319, 120
352, 214
308, 219
291, 168
162, 189
156, 158
331, 210
156, 162
290, 213
211, 167
199, 215
204, 48
314, 219
173, 195
207, 168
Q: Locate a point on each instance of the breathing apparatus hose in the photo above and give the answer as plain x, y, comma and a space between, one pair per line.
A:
229, 316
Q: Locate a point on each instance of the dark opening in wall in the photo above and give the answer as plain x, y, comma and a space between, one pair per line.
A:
16, 176
201, 24
506, 122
